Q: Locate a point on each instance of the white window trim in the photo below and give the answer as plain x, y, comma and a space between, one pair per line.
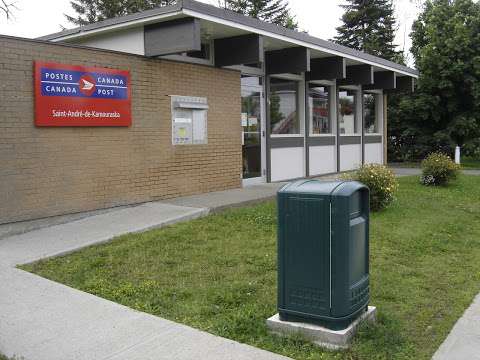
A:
322, 135
286, 136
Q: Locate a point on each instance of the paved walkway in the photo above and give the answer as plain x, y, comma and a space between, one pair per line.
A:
44, 320
217, 201
399, 171
210, 202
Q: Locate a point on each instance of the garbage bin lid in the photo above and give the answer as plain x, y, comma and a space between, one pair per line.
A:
318, 187
310, 186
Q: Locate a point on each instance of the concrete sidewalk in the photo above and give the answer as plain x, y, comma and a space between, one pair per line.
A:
44, 320
463, 342
208, 202
59, 239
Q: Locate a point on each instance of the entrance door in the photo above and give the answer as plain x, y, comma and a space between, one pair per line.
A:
252, 130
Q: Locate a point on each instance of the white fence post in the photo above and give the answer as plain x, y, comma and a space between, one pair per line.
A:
457, 155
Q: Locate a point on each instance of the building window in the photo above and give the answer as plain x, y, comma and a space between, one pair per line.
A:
370, 113
284, 117
347, 113
319, 110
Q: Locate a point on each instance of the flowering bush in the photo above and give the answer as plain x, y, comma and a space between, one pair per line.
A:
438, 169
380, 180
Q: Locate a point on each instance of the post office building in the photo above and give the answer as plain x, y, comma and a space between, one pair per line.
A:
181, 100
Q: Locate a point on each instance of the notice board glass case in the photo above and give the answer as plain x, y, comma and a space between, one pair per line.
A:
189, 120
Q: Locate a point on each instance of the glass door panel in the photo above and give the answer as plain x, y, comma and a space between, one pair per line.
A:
251, 126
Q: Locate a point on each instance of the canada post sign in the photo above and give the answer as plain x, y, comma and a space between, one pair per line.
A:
67, 95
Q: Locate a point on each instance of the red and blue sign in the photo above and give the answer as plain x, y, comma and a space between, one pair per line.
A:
68, 95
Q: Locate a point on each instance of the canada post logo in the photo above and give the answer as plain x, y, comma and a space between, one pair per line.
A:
81, 84
75, 95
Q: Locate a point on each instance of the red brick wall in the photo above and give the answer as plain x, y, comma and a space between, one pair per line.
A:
52, 171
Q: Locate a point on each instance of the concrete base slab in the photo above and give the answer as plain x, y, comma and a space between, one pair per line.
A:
321, 336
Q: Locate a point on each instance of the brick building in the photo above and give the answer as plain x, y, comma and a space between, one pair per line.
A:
272, 104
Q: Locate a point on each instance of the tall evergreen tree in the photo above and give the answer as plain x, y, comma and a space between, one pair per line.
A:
369, 26
90, 11
273, 11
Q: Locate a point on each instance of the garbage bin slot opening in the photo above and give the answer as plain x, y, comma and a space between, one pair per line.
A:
357, 249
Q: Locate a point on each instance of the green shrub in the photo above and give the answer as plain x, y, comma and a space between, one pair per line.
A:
438, 169
380, 180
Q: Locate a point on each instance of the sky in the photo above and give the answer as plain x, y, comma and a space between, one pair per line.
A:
35, 18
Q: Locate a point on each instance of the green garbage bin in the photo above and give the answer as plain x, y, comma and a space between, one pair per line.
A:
323, 250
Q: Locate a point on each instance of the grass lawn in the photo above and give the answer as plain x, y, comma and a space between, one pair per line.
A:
219, 273
470, 163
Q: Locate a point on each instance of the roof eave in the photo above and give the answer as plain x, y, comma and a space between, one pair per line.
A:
230, 18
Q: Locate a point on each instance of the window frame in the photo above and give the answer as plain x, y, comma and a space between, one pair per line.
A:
331, 110
300, 80
378, 94
357, 120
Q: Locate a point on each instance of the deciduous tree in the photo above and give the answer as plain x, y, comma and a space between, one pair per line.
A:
445, 110
6, 8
